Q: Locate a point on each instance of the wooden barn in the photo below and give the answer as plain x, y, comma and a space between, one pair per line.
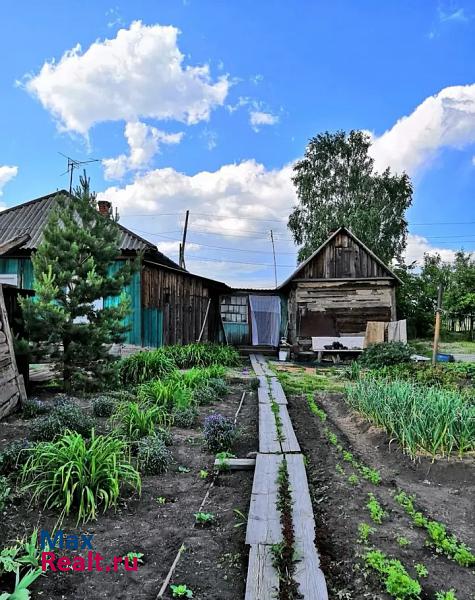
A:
337, 290
169, 305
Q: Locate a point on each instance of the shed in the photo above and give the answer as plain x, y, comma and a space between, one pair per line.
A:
337, 290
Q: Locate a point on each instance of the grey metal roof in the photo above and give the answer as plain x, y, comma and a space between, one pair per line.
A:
31, 217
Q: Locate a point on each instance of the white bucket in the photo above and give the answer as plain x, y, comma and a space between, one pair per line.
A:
283, 355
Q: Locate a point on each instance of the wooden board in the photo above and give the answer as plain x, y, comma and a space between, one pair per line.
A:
308, 573
237, 464
258, 370
262, 579
268, 441
290, 443
263, 523
277, 391
260, 366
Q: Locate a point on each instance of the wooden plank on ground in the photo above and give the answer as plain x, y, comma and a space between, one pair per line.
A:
277, 391
263, 523
290, 442
263, 395
237, 464
308, 573
268, 441
258, 370
262, 579
260, 358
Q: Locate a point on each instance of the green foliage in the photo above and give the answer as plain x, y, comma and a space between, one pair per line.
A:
364, 531
203, 355
219, 386
21, 591
65, 415
447, 375
384, 354
135, 421
13, 456
421, 418
397, 581
376, 511
103, 406
450, 595
219, 433
203, 518
32, 407
336, 185
353, 479
316, 410
74, 474
202, 396
403, 541
181, 591
144, 366
71, 272
165, 393
184, 416
203, 474
223, 460
421, 570
4, 491
134, 555
437, 533
153, 456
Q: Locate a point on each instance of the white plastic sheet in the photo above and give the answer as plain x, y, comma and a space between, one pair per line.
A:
265, 320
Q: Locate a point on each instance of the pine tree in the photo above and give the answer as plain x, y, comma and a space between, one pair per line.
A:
71, 274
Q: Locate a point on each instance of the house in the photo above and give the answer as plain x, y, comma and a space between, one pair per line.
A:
169, 305
335, 292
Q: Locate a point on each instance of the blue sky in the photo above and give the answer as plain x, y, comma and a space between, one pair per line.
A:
203, 105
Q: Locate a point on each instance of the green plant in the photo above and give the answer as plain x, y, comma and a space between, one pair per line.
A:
223, 460
450, 595
427, 419
161, 500
153, 457
13, 456
375, 510
339, 469
32, 407
183, 469
316, 410
204, 395
369, 474
136, 421
403, 541
203, 518
181, 591
353, 479
103, 406
386, 353
65, 415
134, 555
167, 393
397, 581
21, 591
219, 433
219, 386
184, 416
364, 531
421, 570
74, 474
202, 355
144, 366
241, 518
204, 474
4, 491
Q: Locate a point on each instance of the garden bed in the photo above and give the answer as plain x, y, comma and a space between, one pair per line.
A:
160, 520
444, 491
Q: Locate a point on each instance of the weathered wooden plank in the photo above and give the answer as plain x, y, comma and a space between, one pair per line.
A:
308, 573
263, 394
258, 370
268, 440
237, 464
277, 391
8, 407
262, 579
289, 442
263, 523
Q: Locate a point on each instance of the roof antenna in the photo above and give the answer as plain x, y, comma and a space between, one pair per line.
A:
75, 164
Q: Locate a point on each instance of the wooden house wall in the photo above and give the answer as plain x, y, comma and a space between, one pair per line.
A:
182, 301
12, 388
342, 257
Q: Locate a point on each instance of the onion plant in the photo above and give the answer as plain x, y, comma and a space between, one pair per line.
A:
77, 475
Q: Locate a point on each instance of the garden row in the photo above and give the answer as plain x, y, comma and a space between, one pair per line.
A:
75, 465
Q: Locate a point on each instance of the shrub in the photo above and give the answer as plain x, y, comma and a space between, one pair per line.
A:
165, 435
65, 415
204, 395
32, 407
387, 353
153, 456
430, 419
74, 474
103, 406
219, 385
136, 421
219, 433
13, 456
185, 417
4, 491
144, 366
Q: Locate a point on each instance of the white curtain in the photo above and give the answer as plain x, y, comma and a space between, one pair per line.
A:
265, 320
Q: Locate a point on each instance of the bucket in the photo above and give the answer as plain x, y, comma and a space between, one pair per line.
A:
283, 355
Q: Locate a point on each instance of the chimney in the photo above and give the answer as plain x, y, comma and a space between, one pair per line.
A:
104, 207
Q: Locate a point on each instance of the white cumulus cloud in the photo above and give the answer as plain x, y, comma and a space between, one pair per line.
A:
139, 73
418, 245
144, 142
6, 174
257, 118
446, 119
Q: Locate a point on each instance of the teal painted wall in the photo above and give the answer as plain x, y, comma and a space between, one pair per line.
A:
22, 267
237, 333
133, 293
152, 327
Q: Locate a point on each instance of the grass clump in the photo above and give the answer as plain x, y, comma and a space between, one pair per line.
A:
135, 421
73, 474
144, 366
450, 595
153, 456
428, 419
396, 579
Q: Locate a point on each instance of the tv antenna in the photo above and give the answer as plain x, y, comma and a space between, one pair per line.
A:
75, 164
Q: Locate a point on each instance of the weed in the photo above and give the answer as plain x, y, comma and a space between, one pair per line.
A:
223, 460
240, 517
403, 541
450, 595
181, 591
203, 518
353, 479
386, 353
376, 511
161, 500
421, 570
365, 531
339, 469
132, 556
203, 474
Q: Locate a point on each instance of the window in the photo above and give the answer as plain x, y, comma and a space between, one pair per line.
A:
234, 309
10, 278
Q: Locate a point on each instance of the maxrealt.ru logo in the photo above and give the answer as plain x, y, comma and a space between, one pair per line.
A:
93, 561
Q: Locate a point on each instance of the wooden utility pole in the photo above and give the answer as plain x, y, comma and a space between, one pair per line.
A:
273, 252
182, 246
438, 313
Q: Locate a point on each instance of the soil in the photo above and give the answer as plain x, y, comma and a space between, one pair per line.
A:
214, 563
445, 491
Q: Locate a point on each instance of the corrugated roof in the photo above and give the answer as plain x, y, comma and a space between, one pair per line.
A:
31, 217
